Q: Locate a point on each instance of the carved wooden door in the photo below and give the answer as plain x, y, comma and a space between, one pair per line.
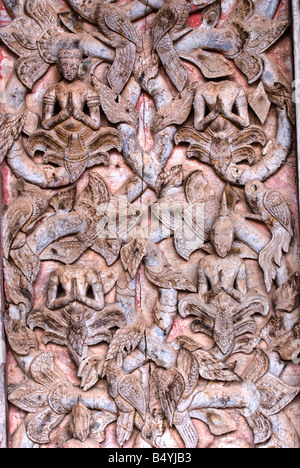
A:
150, 226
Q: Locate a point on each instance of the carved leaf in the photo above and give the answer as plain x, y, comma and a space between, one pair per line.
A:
18, 288
81, 421
16, 216
109, 249
261, 426
116, 108
277, 206
45, 372
30, 69
21, 35
218, 421
126, 340
281, 97
175, 112
66, 252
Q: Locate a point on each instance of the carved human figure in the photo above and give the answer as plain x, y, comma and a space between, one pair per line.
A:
72, 95
72, 137
70, 284
221, 98
223, 304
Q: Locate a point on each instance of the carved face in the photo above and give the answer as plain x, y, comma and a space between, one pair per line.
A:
222, 236
70, 68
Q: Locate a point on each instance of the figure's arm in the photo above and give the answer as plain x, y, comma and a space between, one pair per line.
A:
240, 291
94, 119
201, 122
53, 302
50, 120
202, 281
242, 119
97, 301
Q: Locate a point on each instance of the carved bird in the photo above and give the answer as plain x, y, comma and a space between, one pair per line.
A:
168, 26
23, 213
115, 25
125, 388
271, 208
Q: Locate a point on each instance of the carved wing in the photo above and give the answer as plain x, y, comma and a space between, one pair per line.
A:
126, 340
189, 368
277, 206
170, 391
116, 108
11, 125
175, 112
164, 21
242, 11
93, 195
258, 367
118, 22
212, 369
131, 390
15, 218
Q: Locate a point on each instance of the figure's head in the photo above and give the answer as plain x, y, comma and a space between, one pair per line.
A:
70, 63
222, 234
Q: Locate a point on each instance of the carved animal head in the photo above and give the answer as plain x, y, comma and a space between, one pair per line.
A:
253, 190
222, 234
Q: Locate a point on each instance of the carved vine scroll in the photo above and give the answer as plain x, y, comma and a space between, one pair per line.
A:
149, 224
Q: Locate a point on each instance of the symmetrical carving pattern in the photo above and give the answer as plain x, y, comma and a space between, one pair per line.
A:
140, 151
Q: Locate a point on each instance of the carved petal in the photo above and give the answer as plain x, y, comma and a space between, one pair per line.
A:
64, 251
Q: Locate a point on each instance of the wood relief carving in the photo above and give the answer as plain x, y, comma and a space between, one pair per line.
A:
149, 225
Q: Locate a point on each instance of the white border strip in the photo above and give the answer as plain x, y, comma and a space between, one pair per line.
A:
296, 30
